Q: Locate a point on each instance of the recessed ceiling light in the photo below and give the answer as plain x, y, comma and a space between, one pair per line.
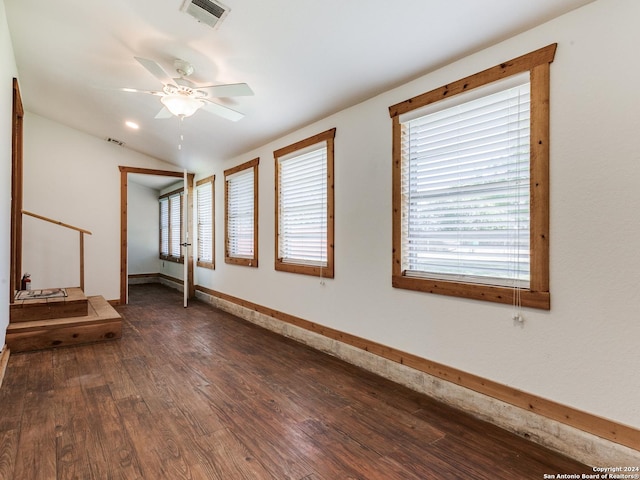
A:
131, 124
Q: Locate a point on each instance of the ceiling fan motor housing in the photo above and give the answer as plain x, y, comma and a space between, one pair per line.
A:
183, 67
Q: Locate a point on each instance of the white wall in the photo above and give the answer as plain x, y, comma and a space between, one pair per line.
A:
143, 227
8, 72
74, 178
583, 352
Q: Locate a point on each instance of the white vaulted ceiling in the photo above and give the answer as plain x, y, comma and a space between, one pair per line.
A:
304, 59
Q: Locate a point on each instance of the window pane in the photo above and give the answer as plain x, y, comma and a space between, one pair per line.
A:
303, 208
164, 226
175, 225
205, 222
465, 185
240, 214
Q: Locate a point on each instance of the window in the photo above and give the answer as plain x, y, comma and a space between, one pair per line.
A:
471, 185
204, 212
171, 226
305, 206
241, 214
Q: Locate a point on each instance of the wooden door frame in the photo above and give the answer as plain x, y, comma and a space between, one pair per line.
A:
124, 171
15, 263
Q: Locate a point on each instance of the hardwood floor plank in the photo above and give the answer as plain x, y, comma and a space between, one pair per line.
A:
109, 445
262, 430
8, 451
72, 432
36, 456
163, 454
233, 460
110, 362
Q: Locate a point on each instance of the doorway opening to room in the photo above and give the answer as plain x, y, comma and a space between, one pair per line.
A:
158, 181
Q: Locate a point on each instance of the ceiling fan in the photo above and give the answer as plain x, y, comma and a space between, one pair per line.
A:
183, 98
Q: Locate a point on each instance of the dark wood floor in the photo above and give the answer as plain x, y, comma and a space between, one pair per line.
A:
198, 394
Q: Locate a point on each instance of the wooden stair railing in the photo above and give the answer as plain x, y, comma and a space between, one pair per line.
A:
82, 231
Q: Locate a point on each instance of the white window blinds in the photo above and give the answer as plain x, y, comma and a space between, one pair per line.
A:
465, 190
240, 214
204, 195
302, 204
171, 225
175, 224
164, 226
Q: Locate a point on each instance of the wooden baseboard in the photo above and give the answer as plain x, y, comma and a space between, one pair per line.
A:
586, 422
4, 360
143, 275
170, 278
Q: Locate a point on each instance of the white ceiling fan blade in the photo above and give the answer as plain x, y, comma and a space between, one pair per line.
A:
228, 90
222, 111
156, 70
164, 113
135, 90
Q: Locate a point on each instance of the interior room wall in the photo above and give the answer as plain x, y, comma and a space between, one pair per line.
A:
143, 227
583, 353
74, 178
8, 71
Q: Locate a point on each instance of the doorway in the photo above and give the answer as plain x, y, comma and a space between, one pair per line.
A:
124, 261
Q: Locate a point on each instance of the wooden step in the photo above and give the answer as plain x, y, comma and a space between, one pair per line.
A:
101, 323
73, 305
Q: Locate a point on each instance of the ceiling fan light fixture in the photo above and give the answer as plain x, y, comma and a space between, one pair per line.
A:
181, 105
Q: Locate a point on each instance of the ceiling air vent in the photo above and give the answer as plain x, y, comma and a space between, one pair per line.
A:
205, 11
115, 141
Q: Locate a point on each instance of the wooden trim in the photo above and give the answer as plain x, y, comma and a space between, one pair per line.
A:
300, 268
307, 142
150, 171
537, 295
177, 191
242, 166
169, 258
247, 262
56, 222
202, 181
539, 187
490, 293
587, 422
143, 275
209, 265
4, 361
170, 278
124, 285
17, 123
396, 201
512, 67
124, 171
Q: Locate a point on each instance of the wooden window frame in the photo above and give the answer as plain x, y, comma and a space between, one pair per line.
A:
212, 264
228, 258
172, 258
537, 63
318, 271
